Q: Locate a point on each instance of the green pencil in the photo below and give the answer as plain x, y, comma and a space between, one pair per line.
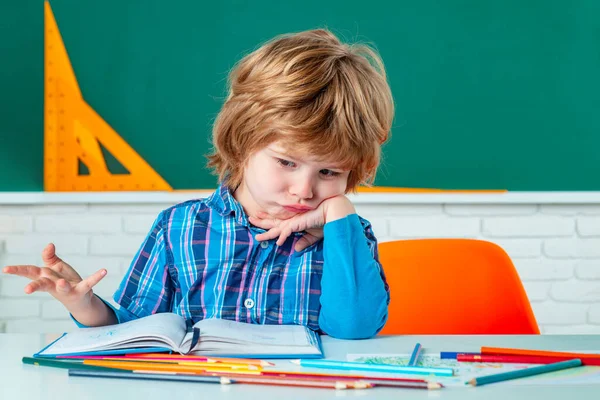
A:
521, 373
43, 362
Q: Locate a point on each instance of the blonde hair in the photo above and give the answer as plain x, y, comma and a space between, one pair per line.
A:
313, 93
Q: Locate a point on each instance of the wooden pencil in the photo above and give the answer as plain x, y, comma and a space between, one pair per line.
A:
540, 353
407, 383
349, 365
209, 364
521, 359
340, 376
340, 385
522, 373
149, 376
414, 357
150, 366
44, 362
221, 380
241, 361
248, 361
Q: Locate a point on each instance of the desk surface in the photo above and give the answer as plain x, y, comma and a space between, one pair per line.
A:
31, 382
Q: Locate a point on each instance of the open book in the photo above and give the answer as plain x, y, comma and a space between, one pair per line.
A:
168, 332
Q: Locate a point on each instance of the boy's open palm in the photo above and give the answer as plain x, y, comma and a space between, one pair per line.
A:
57, 278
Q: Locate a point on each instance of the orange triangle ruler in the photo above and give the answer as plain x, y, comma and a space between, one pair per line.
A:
73, 132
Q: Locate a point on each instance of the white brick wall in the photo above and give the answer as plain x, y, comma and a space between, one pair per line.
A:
555, 248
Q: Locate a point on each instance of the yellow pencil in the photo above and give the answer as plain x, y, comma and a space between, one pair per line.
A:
162, 356
179, 361
150, 366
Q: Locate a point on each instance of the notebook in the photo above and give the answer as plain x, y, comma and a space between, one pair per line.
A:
208, 337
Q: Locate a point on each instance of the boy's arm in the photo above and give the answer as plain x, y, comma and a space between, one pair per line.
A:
144, 290
97, 313
63, 282
115, 315
354, 294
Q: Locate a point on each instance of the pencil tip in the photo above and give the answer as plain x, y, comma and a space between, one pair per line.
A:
297, 362
225, 381
362, 385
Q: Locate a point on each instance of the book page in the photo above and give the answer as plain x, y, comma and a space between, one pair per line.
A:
219, 335
157, 330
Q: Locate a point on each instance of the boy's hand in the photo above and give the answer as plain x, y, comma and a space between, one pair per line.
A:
59, 279
311, 221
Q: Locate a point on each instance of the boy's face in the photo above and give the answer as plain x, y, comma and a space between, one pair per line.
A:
283, 184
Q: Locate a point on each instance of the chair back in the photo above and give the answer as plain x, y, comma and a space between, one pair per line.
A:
454, 286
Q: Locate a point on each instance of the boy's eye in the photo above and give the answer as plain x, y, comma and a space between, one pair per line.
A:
329, 173
286, 163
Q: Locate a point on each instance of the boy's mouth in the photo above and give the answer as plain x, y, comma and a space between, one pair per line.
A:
297, 208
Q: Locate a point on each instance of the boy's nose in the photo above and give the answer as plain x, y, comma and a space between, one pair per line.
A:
302, 188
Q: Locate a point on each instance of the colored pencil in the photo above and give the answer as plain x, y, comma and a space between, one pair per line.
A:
288, 379
248, 361
427, 385
221, 380
541, 353
414, 357
208, 364
241, 361
348, 365
375, 380
43, 362
521, 359
304, 382
149, 366
452, 354
340, 376
542, 369
149, 376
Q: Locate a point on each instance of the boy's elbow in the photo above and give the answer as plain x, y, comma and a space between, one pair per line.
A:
353, 328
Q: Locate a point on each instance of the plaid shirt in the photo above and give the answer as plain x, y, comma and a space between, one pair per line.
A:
200, 260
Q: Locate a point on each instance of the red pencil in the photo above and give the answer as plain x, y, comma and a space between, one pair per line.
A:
510, 359
537, 353
303, 382
377, 381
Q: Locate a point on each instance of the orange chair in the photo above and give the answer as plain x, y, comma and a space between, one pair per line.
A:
454, 286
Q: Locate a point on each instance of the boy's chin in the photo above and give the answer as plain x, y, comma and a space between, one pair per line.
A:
286, 214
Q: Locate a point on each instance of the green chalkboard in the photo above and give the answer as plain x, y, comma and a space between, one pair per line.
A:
491, 94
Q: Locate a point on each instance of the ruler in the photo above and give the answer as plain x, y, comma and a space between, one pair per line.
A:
74, 132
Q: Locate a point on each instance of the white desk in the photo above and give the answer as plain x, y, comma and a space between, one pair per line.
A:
18, 381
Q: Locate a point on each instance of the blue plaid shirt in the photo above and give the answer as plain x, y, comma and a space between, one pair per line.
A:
201, 260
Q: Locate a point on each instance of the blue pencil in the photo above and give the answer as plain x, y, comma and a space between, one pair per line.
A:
453, 354
414, 357
542, 369
348, 365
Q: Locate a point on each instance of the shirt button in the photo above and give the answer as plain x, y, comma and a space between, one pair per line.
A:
249, 303
264, 245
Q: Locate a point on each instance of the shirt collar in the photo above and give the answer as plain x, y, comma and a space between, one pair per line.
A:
224, 203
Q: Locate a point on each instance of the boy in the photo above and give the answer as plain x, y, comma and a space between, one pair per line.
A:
278, 242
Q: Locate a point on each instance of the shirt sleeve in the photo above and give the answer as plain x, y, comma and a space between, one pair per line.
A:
354, 291
147, 287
